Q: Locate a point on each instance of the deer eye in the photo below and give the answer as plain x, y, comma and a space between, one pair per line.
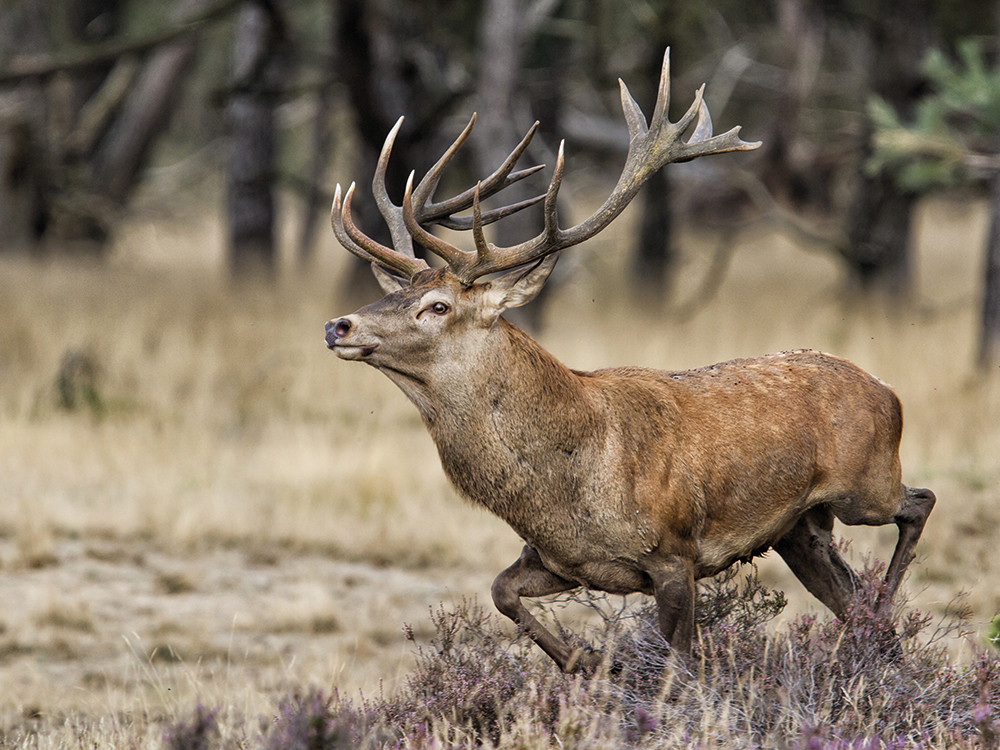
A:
439, 308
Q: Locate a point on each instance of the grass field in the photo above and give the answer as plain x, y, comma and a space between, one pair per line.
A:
198, 502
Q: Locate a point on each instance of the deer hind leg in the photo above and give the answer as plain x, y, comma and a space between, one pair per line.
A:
808, 550
529, 577
910, 520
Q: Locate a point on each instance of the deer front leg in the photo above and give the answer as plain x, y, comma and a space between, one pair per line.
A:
529, 577
673, 588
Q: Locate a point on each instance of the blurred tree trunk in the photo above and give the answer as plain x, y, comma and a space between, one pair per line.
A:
878, 249
322, 140
119, 124
361, 30
989, 338
506, 28
91, 22
501, 41
789, 161
79, 219
82, 121
989, 330
501, 44
145, 113
655, 253
257, 76
655, 250
24, 30
388, 74
878, 246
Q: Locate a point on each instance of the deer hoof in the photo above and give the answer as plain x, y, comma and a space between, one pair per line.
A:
583, 662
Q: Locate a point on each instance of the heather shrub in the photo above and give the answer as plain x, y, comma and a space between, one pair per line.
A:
876, 679
471, 673
200, 732
315, 721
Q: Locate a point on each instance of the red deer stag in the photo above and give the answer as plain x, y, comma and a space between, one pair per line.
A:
625, 479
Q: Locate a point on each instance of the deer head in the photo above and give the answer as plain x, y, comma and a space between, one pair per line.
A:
424, 309
426, 332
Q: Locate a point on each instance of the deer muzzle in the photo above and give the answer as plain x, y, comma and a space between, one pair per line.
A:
336, 333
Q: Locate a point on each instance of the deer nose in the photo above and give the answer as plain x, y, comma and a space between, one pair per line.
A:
336, 330
341, 327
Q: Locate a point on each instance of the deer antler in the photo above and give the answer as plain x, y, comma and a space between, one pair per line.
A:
400, 259
651, 146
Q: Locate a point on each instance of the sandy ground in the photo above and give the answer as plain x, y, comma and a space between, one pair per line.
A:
105, 625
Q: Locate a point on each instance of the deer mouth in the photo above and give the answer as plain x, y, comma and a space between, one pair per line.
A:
348, 351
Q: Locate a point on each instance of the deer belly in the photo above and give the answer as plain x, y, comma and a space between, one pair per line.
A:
612, 576
718, 551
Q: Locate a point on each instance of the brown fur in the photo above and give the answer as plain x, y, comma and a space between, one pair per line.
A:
631, 479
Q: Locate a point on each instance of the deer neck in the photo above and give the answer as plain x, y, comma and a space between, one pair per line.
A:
507, 370
516, 377
501, 413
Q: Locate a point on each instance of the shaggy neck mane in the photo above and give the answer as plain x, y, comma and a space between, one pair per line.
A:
507, 397
514, 376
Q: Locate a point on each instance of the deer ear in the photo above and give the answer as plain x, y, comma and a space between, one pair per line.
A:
520, 286
386, 280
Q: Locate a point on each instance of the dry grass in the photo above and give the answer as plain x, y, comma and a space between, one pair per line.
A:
226, 491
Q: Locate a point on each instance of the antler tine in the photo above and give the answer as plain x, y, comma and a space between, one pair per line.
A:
551, 230
477, 222
392, 213
400, 260
456, 258
337, 223
651, 146
441, 213
464, 223
703, 129
634, 118
364, 246
483, 248
490, 258
702, 141
663, 90
378, 180
501, 177
426, 187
